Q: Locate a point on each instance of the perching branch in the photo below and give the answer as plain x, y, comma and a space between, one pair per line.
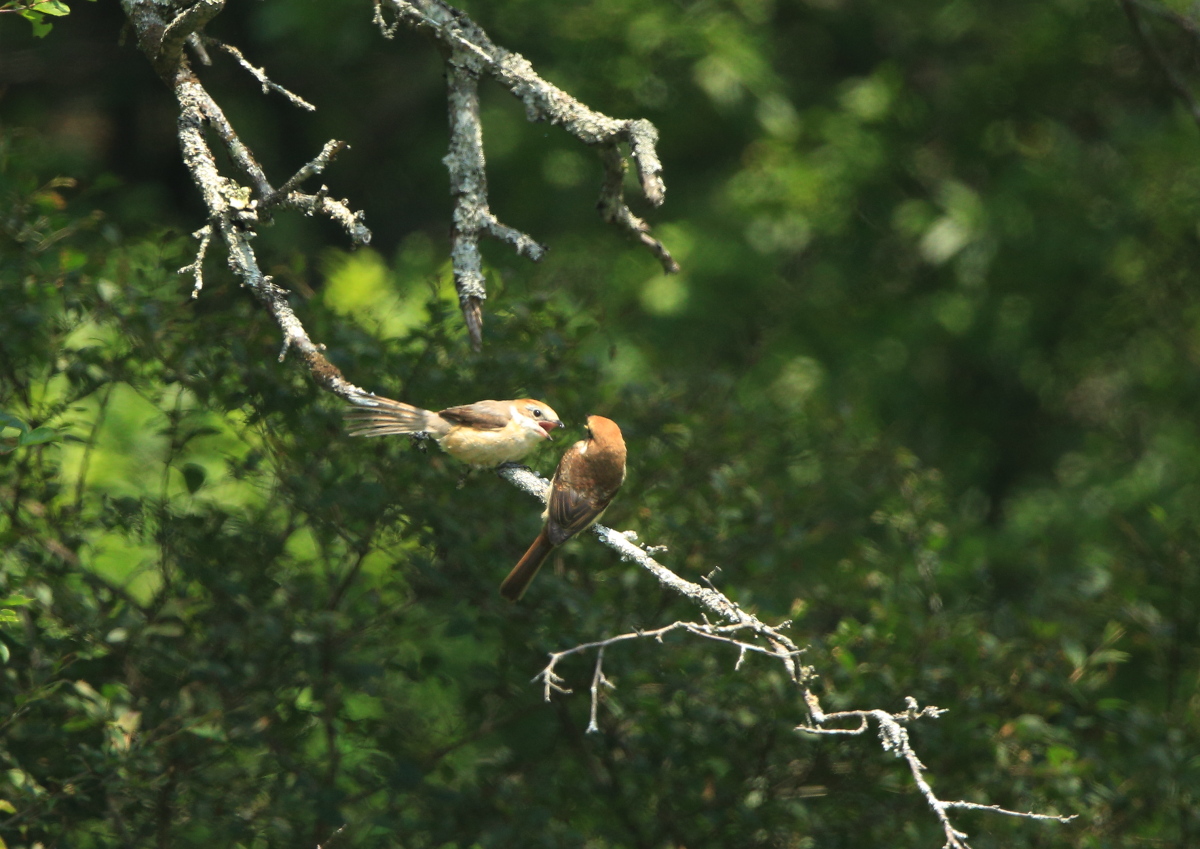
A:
892, 735
713, 601
470, 54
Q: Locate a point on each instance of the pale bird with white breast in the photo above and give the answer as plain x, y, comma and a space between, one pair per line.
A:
486, 433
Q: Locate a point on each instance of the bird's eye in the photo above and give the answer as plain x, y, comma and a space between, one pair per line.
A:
537, 414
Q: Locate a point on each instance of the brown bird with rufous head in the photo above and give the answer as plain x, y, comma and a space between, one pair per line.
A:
587, 478
486, 433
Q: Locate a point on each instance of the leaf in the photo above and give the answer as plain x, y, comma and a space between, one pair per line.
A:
4, 653
193, 477
9, 420
164, 629
358, 706
41, 27
7, 616
16, 600
38, 436
207, 731
54, 7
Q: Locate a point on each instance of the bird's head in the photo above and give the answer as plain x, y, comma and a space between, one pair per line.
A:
603, 434
542, 415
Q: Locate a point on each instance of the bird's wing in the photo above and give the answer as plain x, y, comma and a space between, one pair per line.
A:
482, 415
570, 512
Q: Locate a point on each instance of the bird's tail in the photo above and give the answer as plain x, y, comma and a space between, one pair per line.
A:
518, 579
376, 416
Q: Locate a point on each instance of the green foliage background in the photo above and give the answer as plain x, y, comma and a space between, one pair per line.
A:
927, 386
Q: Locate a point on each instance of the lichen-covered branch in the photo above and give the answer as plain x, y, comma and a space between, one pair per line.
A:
892, 734
470, 54
189, 21
234, 210
196, 267
258, 73
710, 599
468, 185
612, 204
552, 682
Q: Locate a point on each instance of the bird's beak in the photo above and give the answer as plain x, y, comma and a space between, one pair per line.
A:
549, 427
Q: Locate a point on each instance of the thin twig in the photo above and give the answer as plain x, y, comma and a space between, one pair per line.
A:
309, 169
258, 73
550, 678
894, 738
204, 234
598, 680
332, 837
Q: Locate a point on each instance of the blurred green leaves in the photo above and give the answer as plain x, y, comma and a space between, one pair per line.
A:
26, 436
927, 386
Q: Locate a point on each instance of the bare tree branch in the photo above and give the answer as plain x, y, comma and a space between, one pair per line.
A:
894, 738
258, 73
598, 680
470, 54
468, 185
892, 735
233, 209
204, 234
329, 841
188, 22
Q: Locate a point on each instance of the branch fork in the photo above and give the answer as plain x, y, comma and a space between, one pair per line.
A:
469, 55
893, 736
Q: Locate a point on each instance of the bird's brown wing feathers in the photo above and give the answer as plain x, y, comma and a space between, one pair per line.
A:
570, 512
483, 415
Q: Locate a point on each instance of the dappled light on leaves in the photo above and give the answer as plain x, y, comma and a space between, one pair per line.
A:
925, 387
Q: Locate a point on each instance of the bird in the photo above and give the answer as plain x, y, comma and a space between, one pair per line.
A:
484, 434
588, 476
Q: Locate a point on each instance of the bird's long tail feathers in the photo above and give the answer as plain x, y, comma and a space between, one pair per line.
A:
377, 416
518, 579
